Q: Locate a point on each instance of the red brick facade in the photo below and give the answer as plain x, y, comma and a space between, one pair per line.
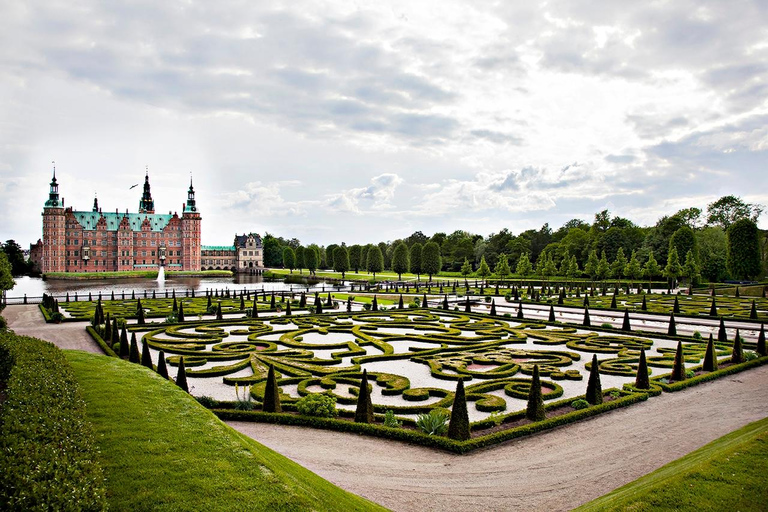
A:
96, 241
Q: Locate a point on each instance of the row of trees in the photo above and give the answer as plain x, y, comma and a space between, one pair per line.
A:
725, 243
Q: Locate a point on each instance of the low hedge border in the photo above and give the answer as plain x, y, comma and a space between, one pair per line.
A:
100, 341
48, 456
422, 439
706, 377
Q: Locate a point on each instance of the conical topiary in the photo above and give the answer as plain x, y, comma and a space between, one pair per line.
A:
676, 306
115, 338
125, 347
753, 311
737, 356
594, 393
493, 307
644, 305
710, 357
721, 334
551, 313
219, 315
445, 302
374, 304
303, 300
400, 304
586, 301
535, 409
458, 426
672, 329
242, 302
364, 409
180, 313
272, 304
678, 368
424, 302
587, 321
146, 357
288, 308
133, 355
642, 381
467, 306
613, 301
625, 326
271, 393
713, 308
520, 315
761, 348
175, 305
123, 339
181, 376
162, 369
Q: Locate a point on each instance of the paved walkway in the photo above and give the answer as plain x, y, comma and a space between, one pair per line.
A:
28, 321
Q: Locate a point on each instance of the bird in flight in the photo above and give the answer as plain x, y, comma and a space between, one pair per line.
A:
133, 186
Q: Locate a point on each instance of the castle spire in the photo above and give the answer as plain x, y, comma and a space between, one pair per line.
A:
191, 204
146, 205
53, 194
95, 203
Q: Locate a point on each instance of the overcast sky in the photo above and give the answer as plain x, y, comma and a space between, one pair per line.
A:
365, 121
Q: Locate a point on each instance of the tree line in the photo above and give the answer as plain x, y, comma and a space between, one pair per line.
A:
723, 243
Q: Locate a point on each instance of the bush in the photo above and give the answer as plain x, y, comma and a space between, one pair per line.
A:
579, 404
749, 356
391, 421
434, 423
244, 402
47, 452
606, 325
207, 401
319, 405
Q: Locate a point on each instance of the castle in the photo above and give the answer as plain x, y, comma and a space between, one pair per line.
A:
97, 241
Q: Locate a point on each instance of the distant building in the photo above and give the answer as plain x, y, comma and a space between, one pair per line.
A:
246, 255
97, 241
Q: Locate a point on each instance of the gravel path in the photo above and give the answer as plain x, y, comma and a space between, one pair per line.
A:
557, 470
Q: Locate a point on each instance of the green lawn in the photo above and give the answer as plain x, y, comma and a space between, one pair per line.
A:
362, 276
727, 474
161, 450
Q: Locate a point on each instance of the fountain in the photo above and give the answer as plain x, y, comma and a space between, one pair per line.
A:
161, 277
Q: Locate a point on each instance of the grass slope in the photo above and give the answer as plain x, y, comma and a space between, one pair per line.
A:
727, 474
161, 450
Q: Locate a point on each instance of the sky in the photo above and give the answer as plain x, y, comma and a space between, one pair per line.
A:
363, 122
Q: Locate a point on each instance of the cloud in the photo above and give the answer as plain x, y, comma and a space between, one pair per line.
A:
377, 196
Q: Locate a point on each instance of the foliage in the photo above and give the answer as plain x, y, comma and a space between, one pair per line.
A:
729, 209
458, 427
271, 401
374, 260
673, 269
289, 258
743, 254
433, 423
535, 409
320, 405
390, 420
6, 277
415, 258
341, 260
15, 255
401, 260
430, 259
364, 409
502, 266
48, 454
594, 393
579, 404
466, 268
244, 399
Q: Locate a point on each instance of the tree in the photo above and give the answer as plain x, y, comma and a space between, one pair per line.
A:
619, 264
728, 209
673, 269
310, 260
400, 260
590, 268
743, 256
684, 240
273, 256
484, 271
466, 268
430, 259
341, 260
6, 276
355, 251
300, 258
633, 270
364, 409
573, 268
458, 426
289, 258
415, 258
15, 256
651, 268
502, 267
524, 267
603, 268
329, 253
690, 268
375, 261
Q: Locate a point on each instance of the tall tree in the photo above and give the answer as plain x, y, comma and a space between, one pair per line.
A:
502, 267
684, 240
713, 250
690, 268
375, 261
329, 252
728, 209
619, 264
415, 258
633, 270
15, 256
310, 259
341, 260
289, 258
466, 268
484, 271
603, 267
355, 252
590, 268
300, 258
673, 269
573, 268
744, 260
6, 276
524, 267
400, 260
651, 268
430, 259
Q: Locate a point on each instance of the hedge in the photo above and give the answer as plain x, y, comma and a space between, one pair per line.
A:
100, 341
48, 456
708, 376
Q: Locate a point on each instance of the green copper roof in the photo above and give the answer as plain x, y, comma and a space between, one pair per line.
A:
89, 220
217, 247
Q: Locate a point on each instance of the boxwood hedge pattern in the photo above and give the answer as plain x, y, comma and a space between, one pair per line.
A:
495, 356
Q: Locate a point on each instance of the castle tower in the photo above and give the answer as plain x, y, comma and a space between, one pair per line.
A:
191, 233
146, 205
54, 232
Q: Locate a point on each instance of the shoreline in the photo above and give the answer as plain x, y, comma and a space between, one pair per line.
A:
150, 274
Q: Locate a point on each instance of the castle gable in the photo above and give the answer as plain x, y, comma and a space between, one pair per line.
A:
112, 220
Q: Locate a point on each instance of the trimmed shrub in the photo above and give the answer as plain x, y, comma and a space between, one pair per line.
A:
587, 322
551, 313
713, 307
625, 326
579, 404
180, 313
162, 368
48, 454
493, 307
642, 381
458, 427
318, 405
753, 311
535, 409
672, 329
737, 356
133, 356
710, 357
594, 393
721, 334
181, 377
678, 368
364, 409
146, 357
374, 304
761, 348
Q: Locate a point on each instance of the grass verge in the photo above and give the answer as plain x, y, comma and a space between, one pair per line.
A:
727, 474
161, 450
